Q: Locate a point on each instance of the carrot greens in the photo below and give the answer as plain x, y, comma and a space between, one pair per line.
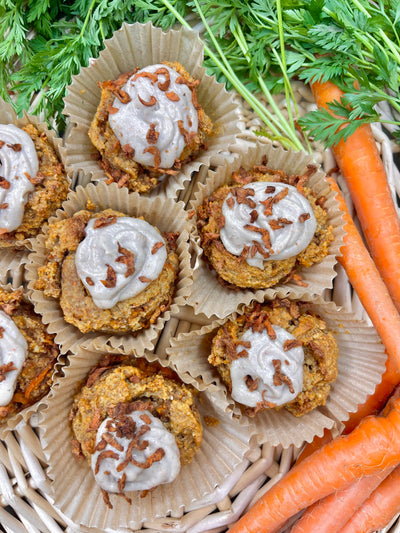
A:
257, 47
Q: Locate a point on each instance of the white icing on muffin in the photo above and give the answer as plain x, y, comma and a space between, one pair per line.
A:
146, 457
119, 260
13, 351
18, 162
272, 219
159, 119
271, 372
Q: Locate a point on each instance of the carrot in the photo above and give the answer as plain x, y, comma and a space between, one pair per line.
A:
38, 379
374, 445
379, 509
372, 406
360, 163
368, 284
331, 513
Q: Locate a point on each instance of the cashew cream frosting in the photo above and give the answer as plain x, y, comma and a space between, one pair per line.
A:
13, 350
119, 260
17, 159
279, 372
272, 227
158, 116
153, 460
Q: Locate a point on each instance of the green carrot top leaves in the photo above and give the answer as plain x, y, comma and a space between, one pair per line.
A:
255, 46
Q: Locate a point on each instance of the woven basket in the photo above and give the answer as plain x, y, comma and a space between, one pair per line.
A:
25, 503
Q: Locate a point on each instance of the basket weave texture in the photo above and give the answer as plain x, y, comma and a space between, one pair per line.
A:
25, 495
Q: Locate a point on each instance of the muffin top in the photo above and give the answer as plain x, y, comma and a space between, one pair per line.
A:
279, 354
155, 116
136, 423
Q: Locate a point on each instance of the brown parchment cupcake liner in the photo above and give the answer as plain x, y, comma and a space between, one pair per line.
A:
24, 415
79, 498
140, 45
360, 366
8, 116
208, 296
165, 214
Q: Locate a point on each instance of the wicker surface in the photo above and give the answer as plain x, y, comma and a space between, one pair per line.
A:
25, 503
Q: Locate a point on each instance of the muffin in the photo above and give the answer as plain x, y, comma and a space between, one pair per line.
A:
27, 354
279, 354
148, 124
110, 272
257, 230
33, 183
136, 423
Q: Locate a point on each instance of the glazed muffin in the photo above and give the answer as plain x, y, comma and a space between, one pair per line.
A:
33, 183
136, 423
148, 124
258, 229
27, 354
279, 354
110, 272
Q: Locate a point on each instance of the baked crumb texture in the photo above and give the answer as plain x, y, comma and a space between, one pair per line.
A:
233, 271
51, 189
119, 385
35, 378
118, 162
58, 278
319, 345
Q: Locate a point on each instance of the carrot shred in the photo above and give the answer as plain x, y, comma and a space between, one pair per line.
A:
374, 445
379, 509
361, 166
37, 380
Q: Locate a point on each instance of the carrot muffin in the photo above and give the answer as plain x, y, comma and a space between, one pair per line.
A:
27, 355
279, 354
259, 228
33, 183
136, 423
110, 272
148, 124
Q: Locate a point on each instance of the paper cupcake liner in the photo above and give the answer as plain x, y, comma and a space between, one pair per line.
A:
165, 214
8, 116
140, 45
78, 497
208, 296
360, 366
25, 414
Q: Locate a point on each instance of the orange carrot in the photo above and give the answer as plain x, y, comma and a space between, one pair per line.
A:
379, 509
368, 284
360, 163
374, 445
330, 514
38, 379
372, 406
